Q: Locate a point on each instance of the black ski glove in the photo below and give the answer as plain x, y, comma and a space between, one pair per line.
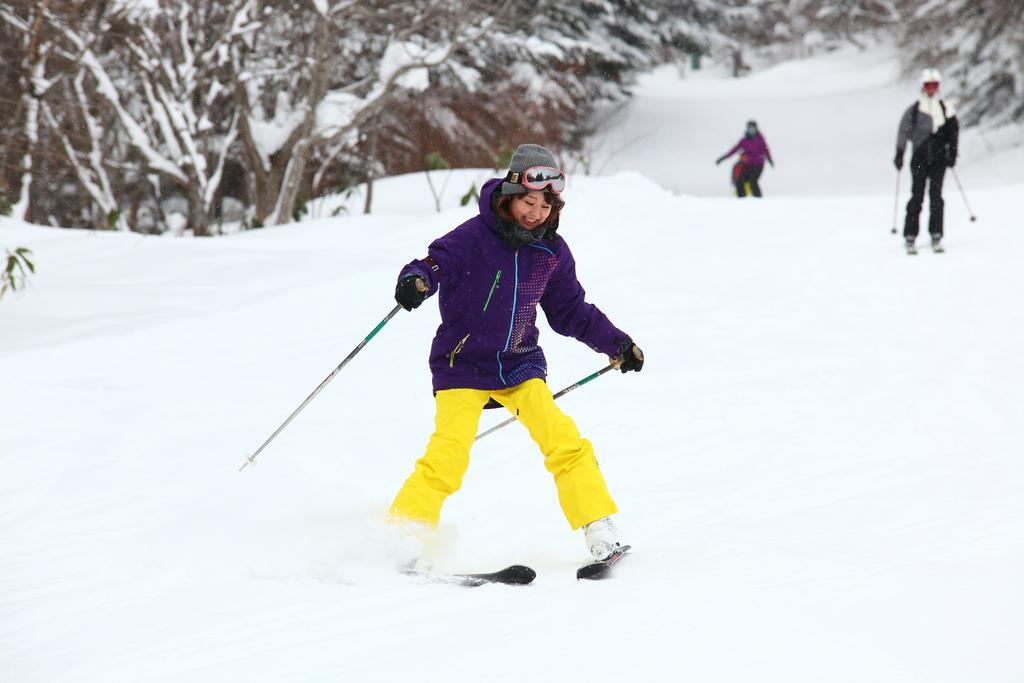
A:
410, 292
719, 160
950, 157
630, 355
898, 161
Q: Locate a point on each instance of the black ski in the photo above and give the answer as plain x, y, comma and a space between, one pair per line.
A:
601, 569
513, 575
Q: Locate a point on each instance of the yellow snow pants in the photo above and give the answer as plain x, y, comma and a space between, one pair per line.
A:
569, 458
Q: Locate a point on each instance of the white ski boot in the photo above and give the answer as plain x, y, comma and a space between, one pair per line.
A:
601, 538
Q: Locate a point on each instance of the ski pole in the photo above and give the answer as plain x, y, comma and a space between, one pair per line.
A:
964, 195
563, 392
252, 458
896, 203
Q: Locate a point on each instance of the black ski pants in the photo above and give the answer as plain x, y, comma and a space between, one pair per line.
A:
747, 181
927, 169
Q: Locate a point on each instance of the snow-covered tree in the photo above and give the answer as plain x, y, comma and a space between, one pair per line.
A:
37, 63
11, 51
542, 71
588, 54
275, 101
166, 87
34, 52
315, 75
848, 19
979, 46
92, 150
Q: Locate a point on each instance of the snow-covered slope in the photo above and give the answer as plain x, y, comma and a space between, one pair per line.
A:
830, 123
819, 467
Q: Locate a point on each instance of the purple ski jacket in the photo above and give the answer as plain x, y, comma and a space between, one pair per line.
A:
489, 291
755, 148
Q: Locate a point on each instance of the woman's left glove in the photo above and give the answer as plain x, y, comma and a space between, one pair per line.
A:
630, 356
950, 156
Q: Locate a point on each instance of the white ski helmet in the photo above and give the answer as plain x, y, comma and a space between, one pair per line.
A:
930, 75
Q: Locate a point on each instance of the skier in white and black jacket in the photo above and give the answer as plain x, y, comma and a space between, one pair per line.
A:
930, 125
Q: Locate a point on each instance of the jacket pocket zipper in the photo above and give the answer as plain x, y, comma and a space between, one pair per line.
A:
455, 351
494, 286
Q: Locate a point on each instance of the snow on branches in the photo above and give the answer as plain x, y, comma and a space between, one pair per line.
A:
141, 106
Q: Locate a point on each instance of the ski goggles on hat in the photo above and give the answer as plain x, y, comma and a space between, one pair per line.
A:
539, 178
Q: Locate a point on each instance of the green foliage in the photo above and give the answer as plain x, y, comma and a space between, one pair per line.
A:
471, 196
504, 157
346, 193
301, 208
5, 206
112, 218
584, 160
14, 274
436, 162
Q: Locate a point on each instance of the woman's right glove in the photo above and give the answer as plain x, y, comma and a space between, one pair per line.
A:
410, 292
630, 356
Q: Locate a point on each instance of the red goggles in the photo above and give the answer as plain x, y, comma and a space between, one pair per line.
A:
539, 178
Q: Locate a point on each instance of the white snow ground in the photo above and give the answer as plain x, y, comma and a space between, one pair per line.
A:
830, 123
819, 468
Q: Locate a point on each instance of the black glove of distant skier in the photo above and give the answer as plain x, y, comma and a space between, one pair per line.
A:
631, 356
410, 292
950, 157
719, 160
898, 161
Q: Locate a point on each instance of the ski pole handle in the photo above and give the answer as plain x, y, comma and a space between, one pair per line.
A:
563, 392
359, 347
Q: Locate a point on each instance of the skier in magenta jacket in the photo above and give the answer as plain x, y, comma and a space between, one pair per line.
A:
753, 152
490, 274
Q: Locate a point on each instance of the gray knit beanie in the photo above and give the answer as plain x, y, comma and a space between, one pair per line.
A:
527, 156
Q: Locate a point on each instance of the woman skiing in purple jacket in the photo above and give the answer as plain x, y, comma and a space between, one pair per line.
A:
490, 273
753, 152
